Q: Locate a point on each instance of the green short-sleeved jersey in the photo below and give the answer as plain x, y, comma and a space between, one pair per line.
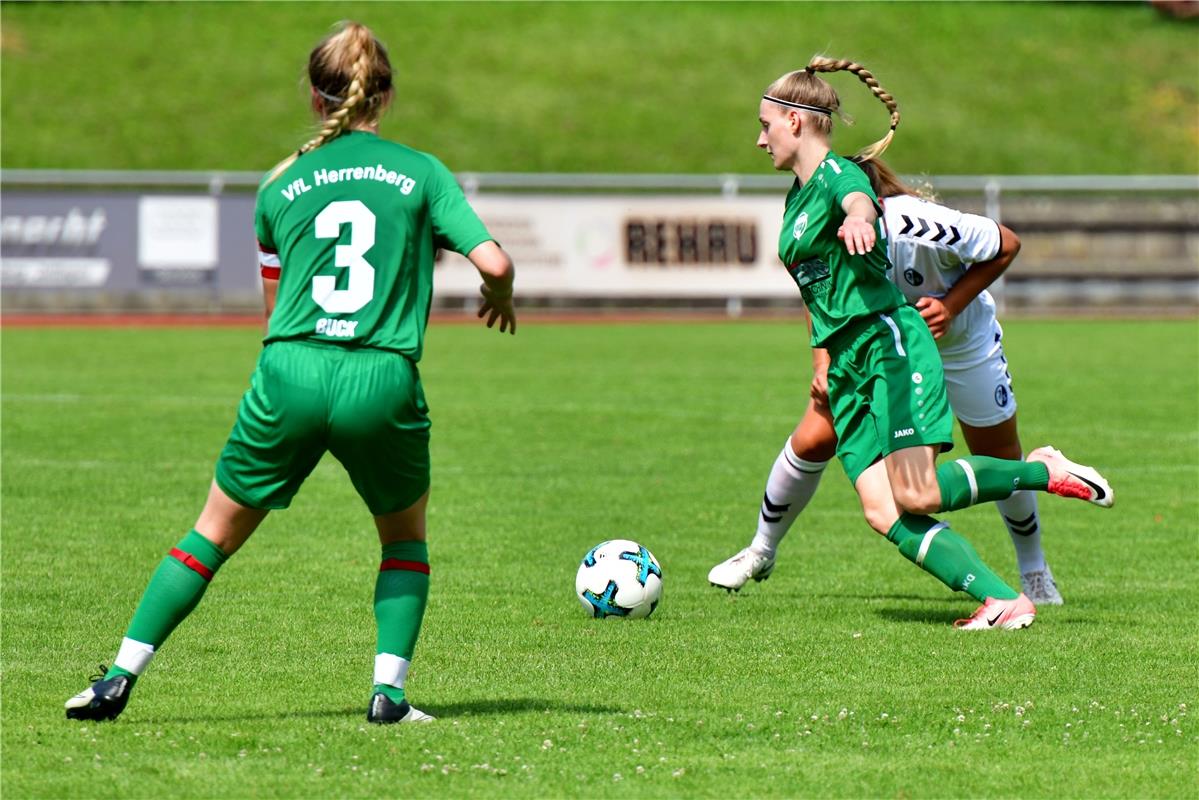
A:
351, 230
837, 288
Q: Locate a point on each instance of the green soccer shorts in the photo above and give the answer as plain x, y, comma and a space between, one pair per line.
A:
364, 405
887, 391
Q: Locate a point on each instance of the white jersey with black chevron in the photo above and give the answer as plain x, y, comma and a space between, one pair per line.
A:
930, 247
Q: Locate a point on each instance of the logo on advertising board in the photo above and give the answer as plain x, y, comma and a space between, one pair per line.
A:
673, 242
53, 250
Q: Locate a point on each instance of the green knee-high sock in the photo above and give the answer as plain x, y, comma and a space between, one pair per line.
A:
174, 590
949, 558
982, 479
401, 592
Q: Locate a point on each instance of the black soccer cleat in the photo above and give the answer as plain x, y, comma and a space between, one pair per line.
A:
103, 700
384, 711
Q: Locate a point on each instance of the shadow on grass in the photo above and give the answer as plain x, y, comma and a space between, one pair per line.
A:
923, 615
262, 716
466, 708
949, 598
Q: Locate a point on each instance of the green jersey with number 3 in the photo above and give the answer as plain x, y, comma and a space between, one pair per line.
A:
837, 288
351, 231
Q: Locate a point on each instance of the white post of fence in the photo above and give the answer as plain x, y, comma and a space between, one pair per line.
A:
991, 190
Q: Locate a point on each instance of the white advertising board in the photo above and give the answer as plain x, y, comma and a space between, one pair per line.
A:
177, 232
622, 246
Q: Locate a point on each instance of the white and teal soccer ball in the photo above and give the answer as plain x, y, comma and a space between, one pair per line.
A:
619, 578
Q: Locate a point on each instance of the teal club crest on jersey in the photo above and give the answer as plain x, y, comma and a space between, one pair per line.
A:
801, 225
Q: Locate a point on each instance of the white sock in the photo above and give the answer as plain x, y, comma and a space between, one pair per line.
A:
791, 484
134, 656
1019, 513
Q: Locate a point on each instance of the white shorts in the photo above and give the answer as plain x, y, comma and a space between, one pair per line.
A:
979, 385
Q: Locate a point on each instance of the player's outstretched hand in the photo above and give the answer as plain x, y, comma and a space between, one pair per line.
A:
496, 307
858, 235
936, 316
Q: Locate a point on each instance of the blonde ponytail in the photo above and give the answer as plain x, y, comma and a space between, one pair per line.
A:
824, 64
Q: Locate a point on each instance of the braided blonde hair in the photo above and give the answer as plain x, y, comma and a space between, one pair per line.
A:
349, 68
803, 86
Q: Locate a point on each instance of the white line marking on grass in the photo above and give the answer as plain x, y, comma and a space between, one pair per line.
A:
127, 401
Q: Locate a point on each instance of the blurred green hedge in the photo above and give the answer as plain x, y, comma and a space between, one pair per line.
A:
607, 87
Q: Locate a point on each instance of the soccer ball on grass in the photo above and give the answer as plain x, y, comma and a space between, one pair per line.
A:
619, 578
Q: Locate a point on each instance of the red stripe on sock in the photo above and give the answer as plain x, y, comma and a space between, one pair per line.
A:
192, 562
411, 566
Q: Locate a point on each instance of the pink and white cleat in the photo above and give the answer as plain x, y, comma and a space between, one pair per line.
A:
996, 614
1068, 479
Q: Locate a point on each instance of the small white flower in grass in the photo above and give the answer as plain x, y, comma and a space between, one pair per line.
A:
843, 713
641, 769
547, 744
617, 777
678, 773
857, 634
426, 768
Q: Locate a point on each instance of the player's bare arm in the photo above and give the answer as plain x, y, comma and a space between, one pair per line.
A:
938, 313
857, 231
498, 274
270, 288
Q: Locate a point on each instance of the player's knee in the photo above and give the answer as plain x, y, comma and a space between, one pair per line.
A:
880, 519
918, 499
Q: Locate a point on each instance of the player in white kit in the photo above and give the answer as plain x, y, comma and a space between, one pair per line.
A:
942, 260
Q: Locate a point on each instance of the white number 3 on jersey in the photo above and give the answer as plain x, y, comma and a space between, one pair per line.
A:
361, 286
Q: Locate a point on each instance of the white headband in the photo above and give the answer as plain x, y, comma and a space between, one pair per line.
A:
803, 106
331, 98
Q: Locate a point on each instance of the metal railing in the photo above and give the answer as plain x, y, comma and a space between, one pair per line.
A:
991, 187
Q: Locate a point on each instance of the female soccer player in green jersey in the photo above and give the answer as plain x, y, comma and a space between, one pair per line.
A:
885, 384
942, 260
348, 228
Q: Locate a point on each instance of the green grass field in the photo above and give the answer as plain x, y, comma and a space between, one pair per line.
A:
841, 676
1016, 88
